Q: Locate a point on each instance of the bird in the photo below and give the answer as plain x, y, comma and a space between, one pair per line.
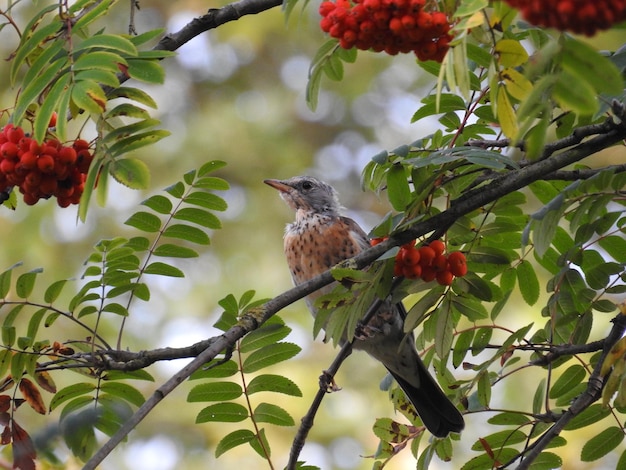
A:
318, 239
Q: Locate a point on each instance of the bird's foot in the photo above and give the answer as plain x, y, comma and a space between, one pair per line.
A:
327, 383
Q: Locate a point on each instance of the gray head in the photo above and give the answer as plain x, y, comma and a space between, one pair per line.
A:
307, 194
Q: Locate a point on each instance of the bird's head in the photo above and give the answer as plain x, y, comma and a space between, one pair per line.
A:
307, 194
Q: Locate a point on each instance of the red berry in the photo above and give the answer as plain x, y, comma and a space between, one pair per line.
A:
424, 20
410, 257
14, 134
9, 150
440, 22
408, 22
326, 7
395, 25
445, 278
48, 185
53, 120
28, 160
412, 272
24, 144
30, 199
440, 263
34, 147
80, 144
438, 246
67, 155
7, 166
377, 240
45, 163
427, 256
458, 263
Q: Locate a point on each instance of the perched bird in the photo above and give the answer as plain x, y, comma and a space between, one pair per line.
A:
320, 238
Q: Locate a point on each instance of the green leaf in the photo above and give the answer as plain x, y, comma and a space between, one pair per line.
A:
99, 76
222, 412
398, 187
510, 53
26, 282
174, 251
136, 141
198, 216
144, 221
133, 94
593, 414
444, 103
484, 389
461, 347
586, 64
107, 41
89, 96
158, 203
232, 440
162, 269
102, 60
269, 355
268, 334
127, 110
569, 379
539, 397
128, 375
34, 322
92, 14
31, 43
5, 282
131, 172
5, 361
187, 232
273, 383
575, 95
528, 282
146, 70
273, 414
124, 391
214, 391
601, 444
147, 36
500, 439
470, 308
509, 419
116, 308
32, 90
212, 182
50, 106
70, 392
225, 369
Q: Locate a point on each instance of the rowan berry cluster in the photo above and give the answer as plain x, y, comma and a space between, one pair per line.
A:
43, 170
428, 262
578, 16
392, 26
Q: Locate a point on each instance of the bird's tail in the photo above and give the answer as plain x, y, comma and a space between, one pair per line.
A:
435, 409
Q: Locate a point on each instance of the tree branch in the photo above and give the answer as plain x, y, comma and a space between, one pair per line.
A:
214, 18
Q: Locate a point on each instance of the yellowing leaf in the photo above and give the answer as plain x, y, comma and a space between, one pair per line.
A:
618, 350
510, 53
506, 114
518, 86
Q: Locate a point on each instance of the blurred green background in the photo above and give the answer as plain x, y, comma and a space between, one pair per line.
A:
237, 94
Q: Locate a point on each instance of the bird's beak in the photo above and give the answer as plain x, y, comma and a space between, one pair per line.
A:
279, 185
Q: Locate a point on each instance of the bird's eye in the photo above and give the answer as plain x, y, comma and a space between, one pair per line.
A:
307, 185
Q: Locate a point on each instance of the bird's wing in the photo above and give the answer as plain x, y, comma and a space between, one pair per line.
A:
356, 233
